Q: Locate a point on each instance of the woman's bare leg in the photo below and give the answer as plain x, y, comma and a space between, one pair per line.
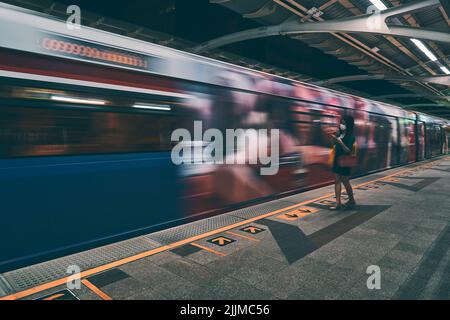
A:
338, 189
349, 189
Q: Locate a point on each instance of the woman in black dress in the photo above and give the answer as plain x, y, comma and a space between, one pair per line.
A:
343, 145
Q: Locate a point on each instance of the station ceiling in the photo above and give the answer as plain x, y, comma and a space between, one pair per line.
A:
313, 57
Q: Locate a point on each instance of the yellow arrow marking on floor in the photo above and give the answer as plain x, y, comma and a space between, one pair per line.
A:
290, 216
222, 241
253, 229
297, 214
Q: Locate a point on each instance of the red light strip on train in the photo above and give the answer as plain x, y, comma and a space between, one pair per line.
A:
93, 53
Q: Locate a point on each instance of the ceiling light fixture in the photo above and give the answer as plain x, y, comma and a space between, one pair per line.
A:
445, 70
380, 5
424, 49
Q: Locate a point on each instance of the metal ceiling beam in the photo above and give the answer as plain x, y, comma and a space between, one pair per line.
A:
327, 4
395, 42
378, 61
412, 95
445, 15
411, 20
431, 105
428, 105
446, 7
347, 39
370, 23
442, 80
355, 43
441, 113
266, 10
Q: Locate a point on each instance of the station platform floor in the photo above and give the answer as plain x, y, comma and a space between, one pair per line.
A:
291, 248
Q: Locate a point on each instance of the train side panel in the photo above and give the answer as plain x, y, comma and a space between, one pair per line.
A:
55, 204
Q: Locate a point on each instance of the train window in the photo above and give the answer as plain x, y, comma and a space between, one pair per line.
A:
314, 124
41, 119
41, 131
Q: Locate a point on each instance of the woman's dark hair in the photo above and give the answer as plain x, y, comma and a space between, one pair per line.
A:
350, 124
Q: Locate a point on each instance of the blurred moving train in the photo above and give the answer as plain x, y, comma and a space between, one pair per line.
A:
86, 119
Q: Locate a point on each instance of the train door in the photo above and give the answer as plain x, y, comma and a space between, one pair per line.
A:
420, 134
427, 140
394, 143
447, 139
436, 140
433, 140
409, 140
397, 140
439, 140
443, 141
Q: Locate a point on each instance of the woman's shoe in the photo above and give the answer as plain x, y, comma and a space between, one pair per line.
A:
350, 204
337, 207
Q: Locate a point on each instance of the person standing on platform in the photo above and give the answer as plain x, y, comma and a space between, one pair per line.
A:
342, 159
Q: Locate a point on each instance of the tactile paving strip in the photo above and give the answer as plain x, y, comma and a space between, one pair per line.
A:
247, 213
5, 288
35, 275
38, 274
193, 229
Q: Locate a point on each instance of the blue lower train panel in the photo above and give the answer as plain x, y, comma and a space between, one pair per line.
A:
52, 205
